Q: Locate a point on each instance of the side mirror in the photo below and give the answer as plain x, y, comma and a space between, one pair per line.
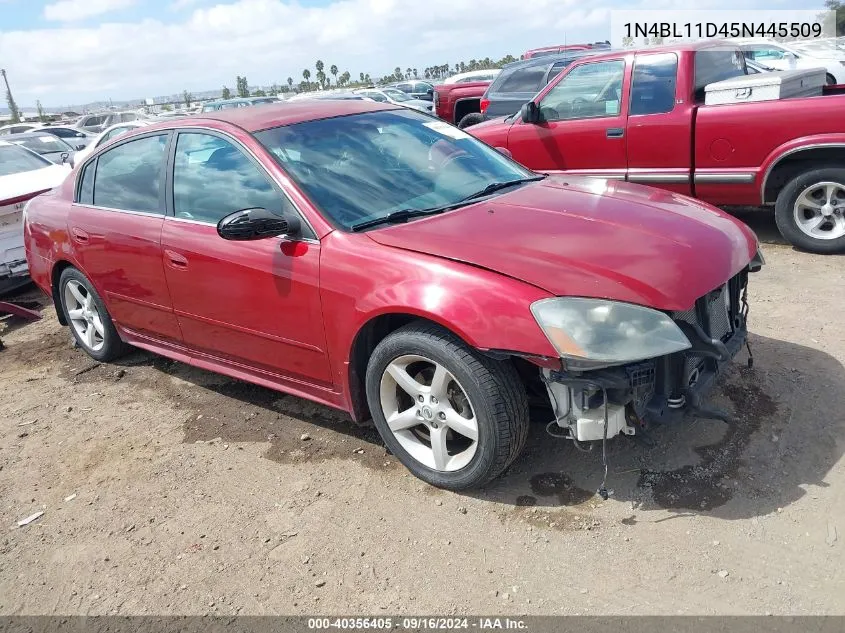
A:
256, 224
65, 157
529, 112
505, 151
80, 146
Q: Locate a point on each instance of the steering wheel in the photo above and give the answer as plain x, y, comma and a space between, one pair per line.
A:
579, 104
453, 158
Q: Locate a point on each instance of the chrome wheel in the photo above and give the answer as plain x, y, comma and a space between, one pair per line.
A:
84, 316
820, 210
429, 413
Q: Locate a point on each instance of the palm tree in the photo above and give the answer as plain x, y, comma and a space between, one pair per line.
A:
416, 74
397, 72
290, 83
361, 77
333, 71
306, 74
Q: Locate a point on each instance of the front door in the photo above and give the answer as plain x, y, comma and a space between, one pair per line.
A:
115, 226
255, 303
582, 124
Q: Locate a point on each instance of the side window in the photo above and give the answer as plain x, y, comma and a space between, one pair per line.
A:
524, 80
588, 91
212, 178
653, 84
129, 176
86, 184
376, 96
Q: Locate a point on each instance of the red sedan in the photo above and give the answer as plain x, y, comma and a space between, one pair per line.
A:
378, 260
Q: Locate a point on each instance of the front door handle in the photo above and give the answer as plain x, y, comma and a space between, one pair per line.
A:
175, 260
615, 132
79, 235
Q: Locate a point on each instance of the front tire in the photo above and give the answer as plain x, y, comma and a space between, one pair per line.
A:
810, 211
455, 418
87, 317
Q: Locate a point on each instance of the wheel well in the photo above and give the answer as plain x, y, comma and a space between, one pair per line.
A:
55, 275
465, 107
799, 162
375, 330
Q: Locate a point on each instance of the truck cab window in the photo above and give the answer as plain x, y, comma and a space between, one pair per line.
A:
653, 84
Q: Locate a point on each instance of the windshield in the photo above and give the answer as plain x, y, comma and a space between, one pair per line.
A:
397, 95
47, 144
14, 160
362, 167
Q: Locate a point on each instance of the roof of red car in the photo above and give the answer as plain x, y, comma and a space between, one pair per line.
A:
261, 117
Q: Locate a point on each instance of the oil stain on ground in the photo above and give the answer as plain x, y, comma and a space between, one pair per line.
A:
699, 487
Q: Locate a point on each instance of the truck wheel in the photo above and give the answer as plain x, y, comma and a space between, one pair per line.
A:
473, 118
829, 79
455, 418
810, 211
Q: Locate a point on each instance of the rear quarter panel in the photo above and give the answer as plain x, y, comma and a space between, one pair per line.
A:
448, 95
748, 138
46, 234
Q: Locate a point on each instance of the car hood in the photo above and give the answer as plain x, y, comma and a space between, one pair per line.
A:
576, 236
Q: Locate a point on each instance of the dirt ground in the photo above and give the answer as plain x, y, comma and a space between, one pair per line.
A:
169, 490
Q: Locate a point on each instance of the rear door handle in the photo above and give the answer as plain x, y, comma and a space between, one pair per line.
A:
615, 132
177, 261
79, 235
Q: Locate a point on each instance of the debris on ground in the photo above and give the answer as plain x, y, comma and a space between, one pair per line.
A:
31, 518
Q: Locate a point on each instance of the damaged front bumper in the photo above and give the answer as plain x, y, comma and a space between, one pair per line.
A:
600, 404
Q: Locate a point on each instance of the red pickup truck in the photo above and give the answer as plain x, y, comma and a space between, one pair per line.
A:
640, 116
460, 104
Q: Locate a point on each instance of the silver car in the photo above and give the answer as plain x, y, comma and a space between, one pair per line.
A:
394, 95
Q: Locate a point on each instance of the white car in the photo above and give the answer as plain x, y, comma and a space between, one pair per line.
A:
23, 175
18, 128
787, 57
394, 95
473, 75
105, 136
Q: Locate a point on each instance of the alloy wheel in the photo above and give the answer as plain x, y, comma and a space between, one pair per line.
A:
429, 413
819, 210
84, 316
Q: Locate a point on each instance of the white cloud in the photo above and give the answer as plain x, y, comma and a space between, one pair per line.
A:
178, 5
71, 10
269, 40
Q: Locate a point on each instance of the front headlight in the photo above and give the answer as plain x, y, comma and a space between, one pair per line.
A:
594, 333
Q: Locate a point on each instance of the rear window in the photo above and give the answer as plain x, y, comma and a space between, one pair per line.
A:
15, 160
714, 65
528, 79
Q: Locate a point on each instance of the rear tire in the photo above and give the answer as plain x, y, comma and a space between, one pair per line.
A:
810, 211
481, 398
473, 118
829, 79
86, 315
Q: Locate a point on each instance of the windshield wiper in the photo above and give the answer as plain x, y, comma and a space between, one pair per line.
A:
404, 215
497, 186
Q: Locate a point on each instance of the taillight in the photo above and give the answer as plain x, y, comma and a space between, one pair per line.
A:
485, 103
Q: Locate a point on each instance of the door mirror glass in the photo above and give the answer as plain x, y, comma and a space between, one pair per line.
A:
256, 224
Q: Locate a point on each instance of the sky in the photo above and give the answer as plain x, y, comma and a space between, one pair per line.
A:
64, 52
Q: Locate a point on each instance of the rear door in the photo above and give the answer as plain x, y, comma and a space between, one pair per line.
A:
582, 126
115, 225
